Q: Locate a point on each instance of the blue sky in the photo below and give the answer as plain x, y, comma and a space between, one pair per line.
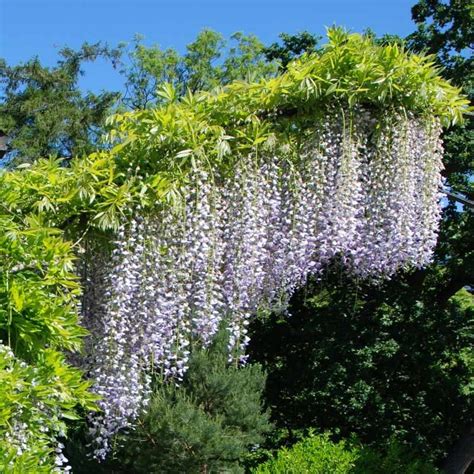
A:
41, 27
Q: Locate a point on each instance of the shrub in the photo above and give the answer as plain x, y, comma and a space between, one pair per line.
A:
312, 455
317, 454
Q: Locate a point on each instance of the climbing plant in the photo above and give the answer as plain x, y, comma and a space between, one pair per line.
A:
218, 205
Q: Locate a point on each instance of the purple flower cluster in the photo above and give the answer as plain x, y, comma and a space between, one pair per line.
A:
362, 191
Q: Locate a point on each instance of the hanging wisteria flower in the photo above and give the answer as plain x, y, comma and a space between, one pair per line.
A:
363, 191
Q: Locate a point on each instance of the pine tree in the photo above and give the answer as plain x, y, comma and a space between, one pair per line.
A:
204, 425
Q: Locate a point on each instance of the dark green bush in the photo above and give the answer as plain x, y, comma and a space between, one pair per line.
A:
379, 361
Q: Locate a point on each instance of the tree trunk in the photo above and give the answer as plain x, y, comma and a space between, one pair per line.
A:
461, 455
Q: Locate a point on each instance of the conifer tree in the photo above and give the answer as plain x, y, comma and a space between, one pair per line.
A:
205, 425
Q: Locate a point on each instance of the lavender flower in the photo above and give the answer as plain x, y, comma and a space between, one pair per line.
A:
362, 191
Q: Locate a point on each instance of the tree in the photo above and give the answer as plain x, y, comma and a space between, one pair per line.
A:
292, 47
146, 69
43, 112
205, 425
202, 132
381, 361
208, 62
444, 29
126, 188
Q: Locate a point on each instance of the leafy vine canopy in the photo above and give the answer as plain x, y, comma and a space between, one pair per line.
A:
218, 205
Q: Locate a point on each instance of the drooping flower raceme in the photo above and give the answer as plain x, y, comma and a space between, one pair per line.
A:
365, 193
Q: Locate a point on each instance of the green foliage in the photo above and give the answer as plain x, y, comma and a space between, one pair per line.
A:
444, 28
214, 127
199, 59
38, 291
317, 454
378, 360
395, 459
90, 193
155, 149
39, 297
291, 47
312, 455
352, 69
357, 68
207, 63
246, 60
43, 111
146, 68
206, 424
39, 390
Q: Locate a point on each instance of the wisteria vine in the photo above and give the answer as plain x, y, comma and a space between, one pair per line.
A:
363, 191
